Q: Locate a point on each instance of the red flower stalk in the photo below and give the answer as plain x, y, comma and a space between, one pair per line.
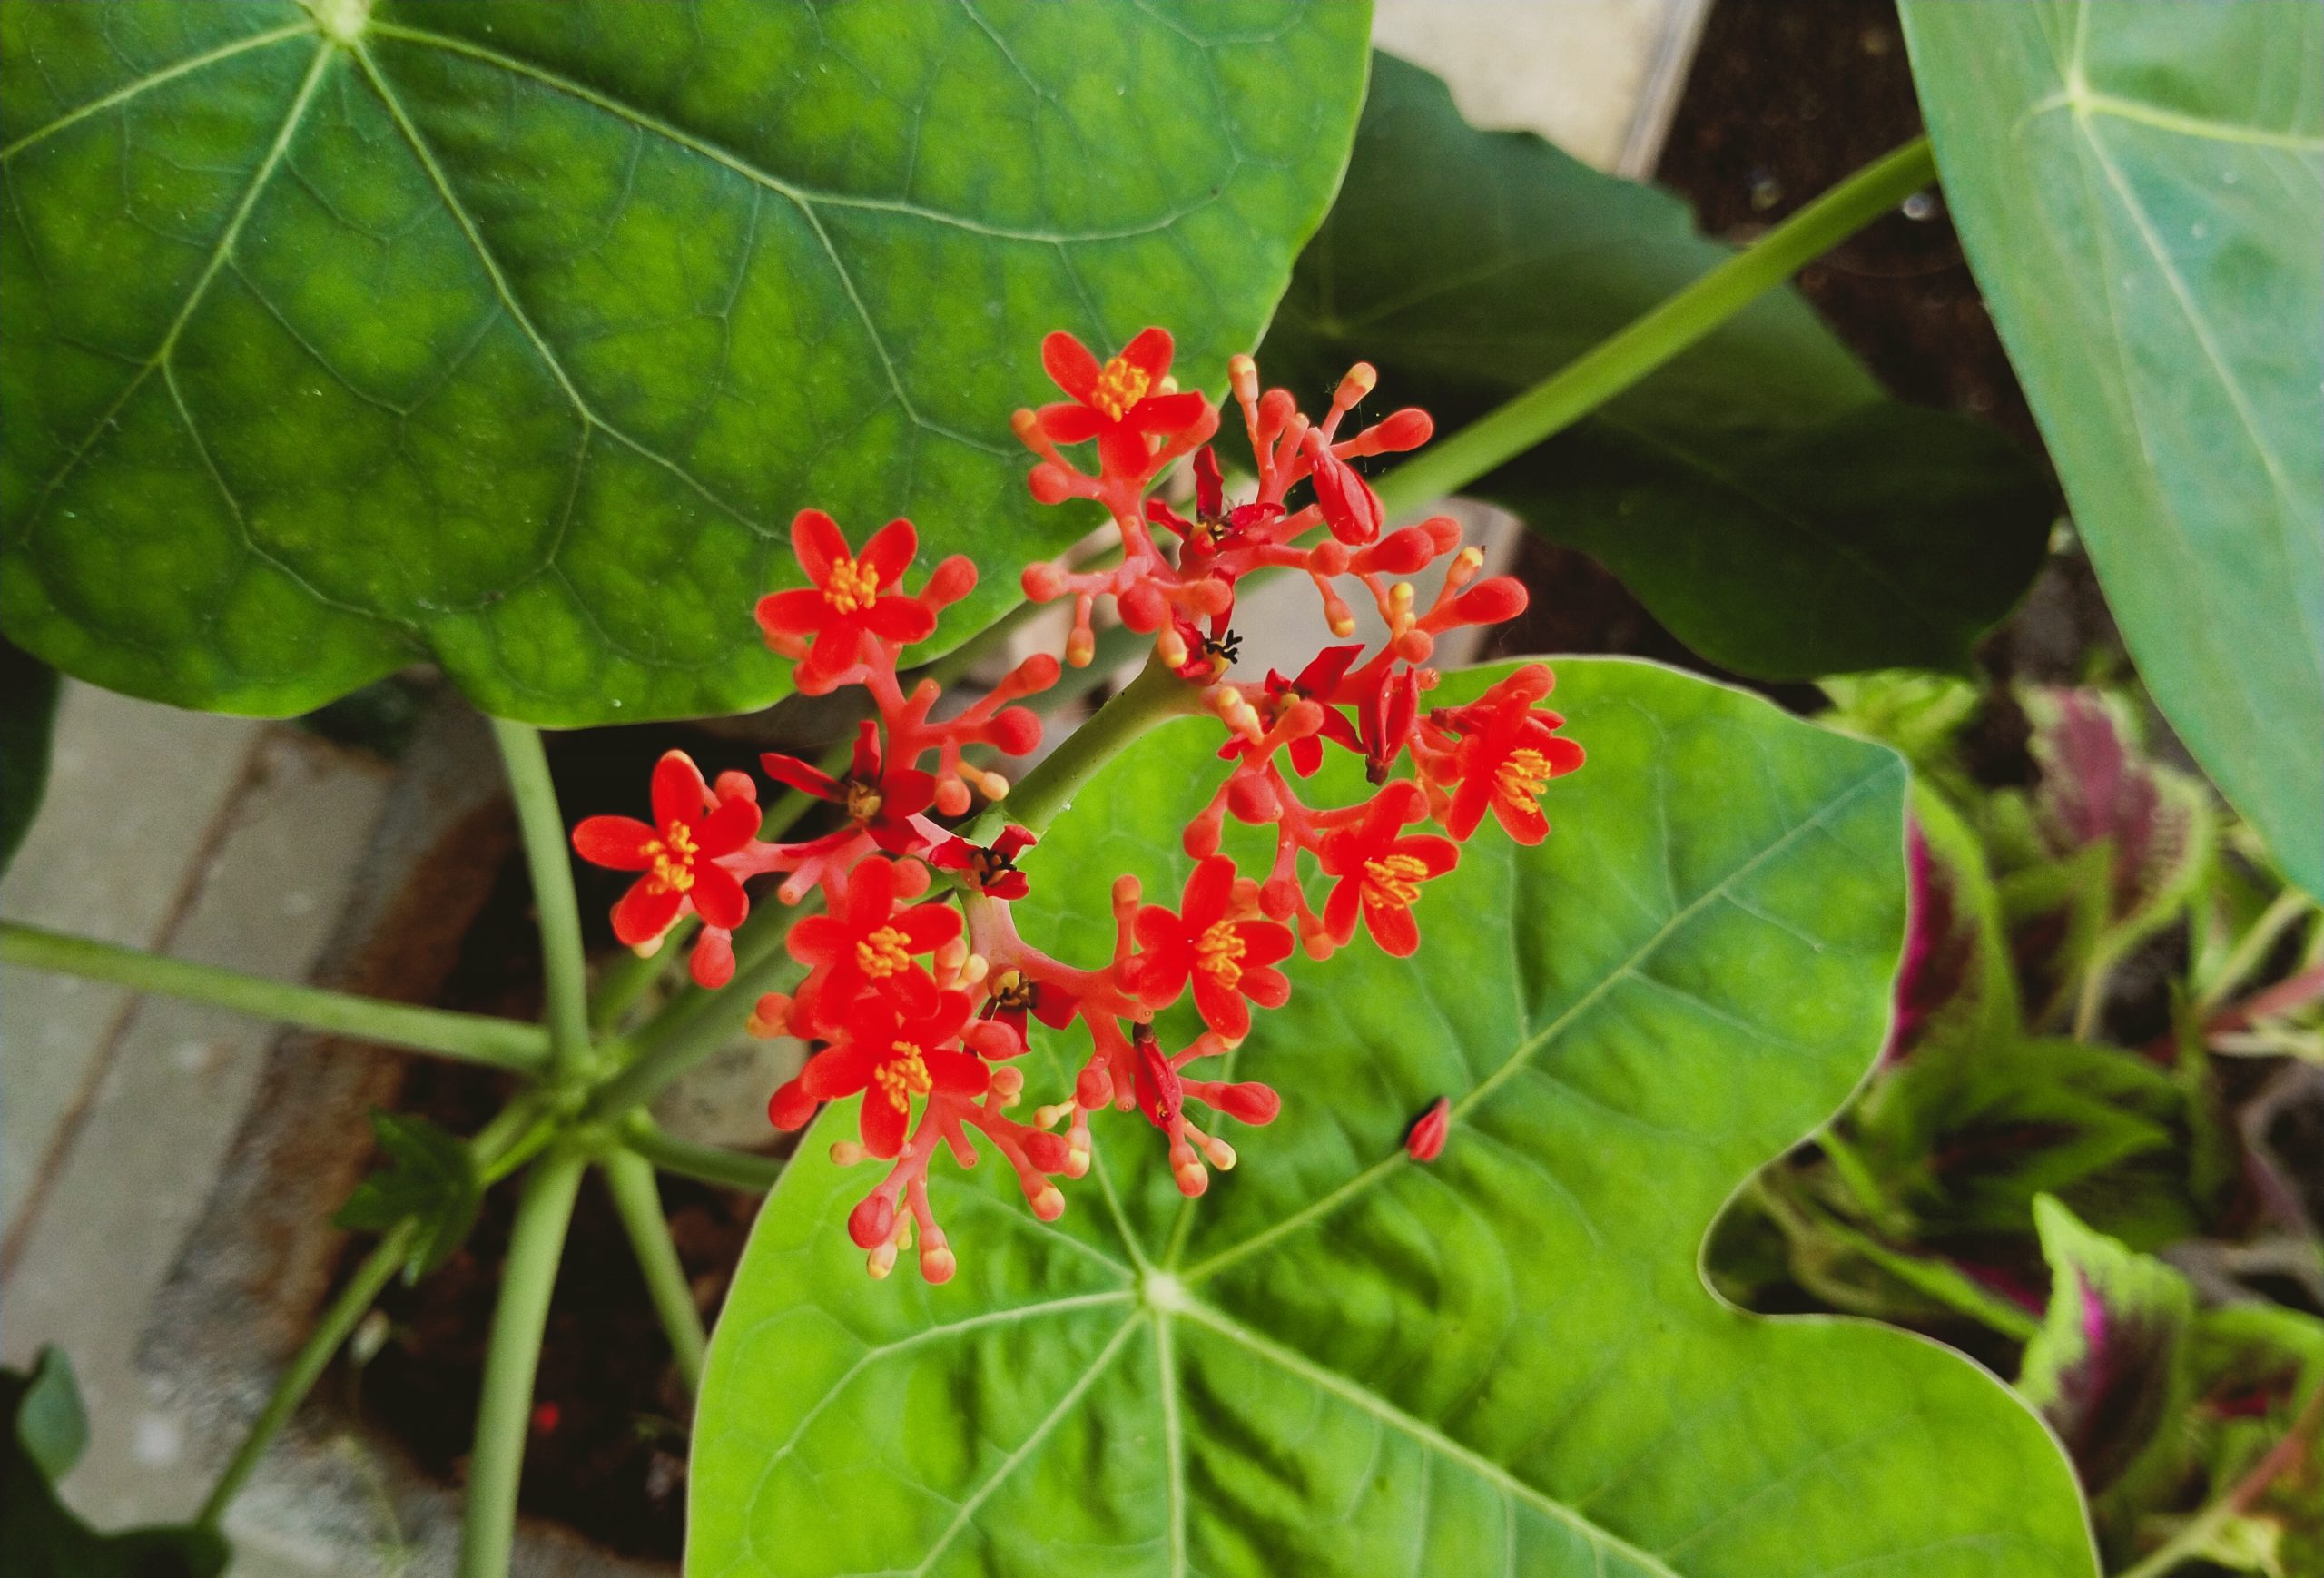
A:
848, 600
1216, 939
678, 853
865, 945
1381, 870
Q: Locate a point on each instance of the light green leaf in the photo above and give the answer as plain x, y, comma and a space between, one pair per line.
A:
1339, 1361
514, 334
1760, 495
2140, 187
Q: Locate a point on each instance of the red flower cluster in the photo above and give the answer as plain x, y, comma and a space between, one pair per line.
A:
920, 1008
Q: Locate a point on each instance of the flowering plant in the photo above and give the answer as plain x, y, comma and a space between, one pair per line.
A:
930, 1047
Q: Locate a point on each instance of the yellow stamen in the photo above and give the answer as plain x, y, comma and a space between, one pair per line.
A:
886, 951
1520, 775
672, 856
1121, 385
1220, 953
1394, 882
904, 1075
853, 586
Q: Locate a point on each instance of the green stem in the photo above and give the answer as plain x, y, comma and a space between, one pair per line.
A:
307, 1367
1156, 694
2195, 1535
629, 1179
698, 1022
564, 966
2252, 948
472, 1038
1613, 365
709, 1164
622, 982
512, 1356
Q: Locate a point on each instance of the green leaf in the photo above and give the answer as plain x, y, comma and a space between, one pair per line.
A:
43, 1430
513, 335
1342, 1362
2140, 187
2112, 1368
432, 1176
27, 721
1760, 494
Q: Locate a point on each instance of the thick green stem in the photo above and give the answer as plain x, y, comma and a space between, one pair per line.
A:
511, 1358
472, 1038
638, 1199
709, 1164
1615, 364
1156, 694
564, 966
306, 1367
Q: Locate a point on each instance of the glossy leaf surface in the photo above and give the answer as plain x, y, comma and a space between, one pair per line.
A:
1760, 494
514, 334
2139, 186
1340, 1361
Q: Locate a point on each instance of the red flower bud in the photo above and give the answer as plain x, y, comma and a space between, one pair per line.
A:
1400, 553
1050, 483
1350, 508
949, 582
1047, 1151
1426, 1141
1489, 602
1014, 730
1249, 1102
873, 1222
1406, 430
790, 1107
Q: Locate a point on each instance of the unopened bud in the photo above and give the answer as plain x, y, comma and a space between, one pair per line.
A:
1080, 646
937, 1263
1426, 1141
1049, 1205
1042, 582
880, 1261
848, 1153
1049, 483
1249, 1102
1171, 647
873, 1222
1360, 381
1243, 377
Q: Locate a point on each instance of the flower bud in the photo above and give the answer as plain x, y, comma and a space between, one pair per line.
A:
1491, 600
937, 1263
732, 785
1243, 377
1047, 1151
951, 797
1016, 730
713, 964
1050, 483
1360, 381
949, 581
1042, 583
1426, 1141
873, 1222
1143, 606
770, 1017
1400, 553
1408, 428
790, 1107
1248, 1103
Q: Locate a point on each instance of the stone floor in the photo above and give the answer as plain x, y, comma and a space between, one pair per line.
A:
240, 843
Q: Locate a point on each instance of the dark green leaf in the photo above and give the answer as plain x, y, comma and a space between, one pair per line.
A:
431, 1177
514, 334
1760, 494
2139, 186
1341, 1362
27, 721
40, 1536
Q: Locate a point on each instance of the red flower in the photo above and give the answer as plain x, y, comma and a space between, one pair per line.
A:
1215, 526
1161, 1092
865, 947
1229, 959
990, 871
1015, 994
849, 598
1381, 872
1318, 682
1120, 404
890, 1058
1509, 750
880, 798
677, 854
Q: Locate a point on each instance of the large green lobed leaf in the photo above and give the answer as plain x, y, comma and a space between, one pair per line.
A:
1342, 1362
1760, 494
2139, 186
513, 333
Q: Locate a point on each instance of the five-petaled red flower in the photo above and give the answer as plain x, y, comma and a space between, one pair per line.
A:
880, 798
1229, 959
677, 854
890, 1058
1120, 404
865, 947
849, 598
991, 872
1381, 871
1509, 751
